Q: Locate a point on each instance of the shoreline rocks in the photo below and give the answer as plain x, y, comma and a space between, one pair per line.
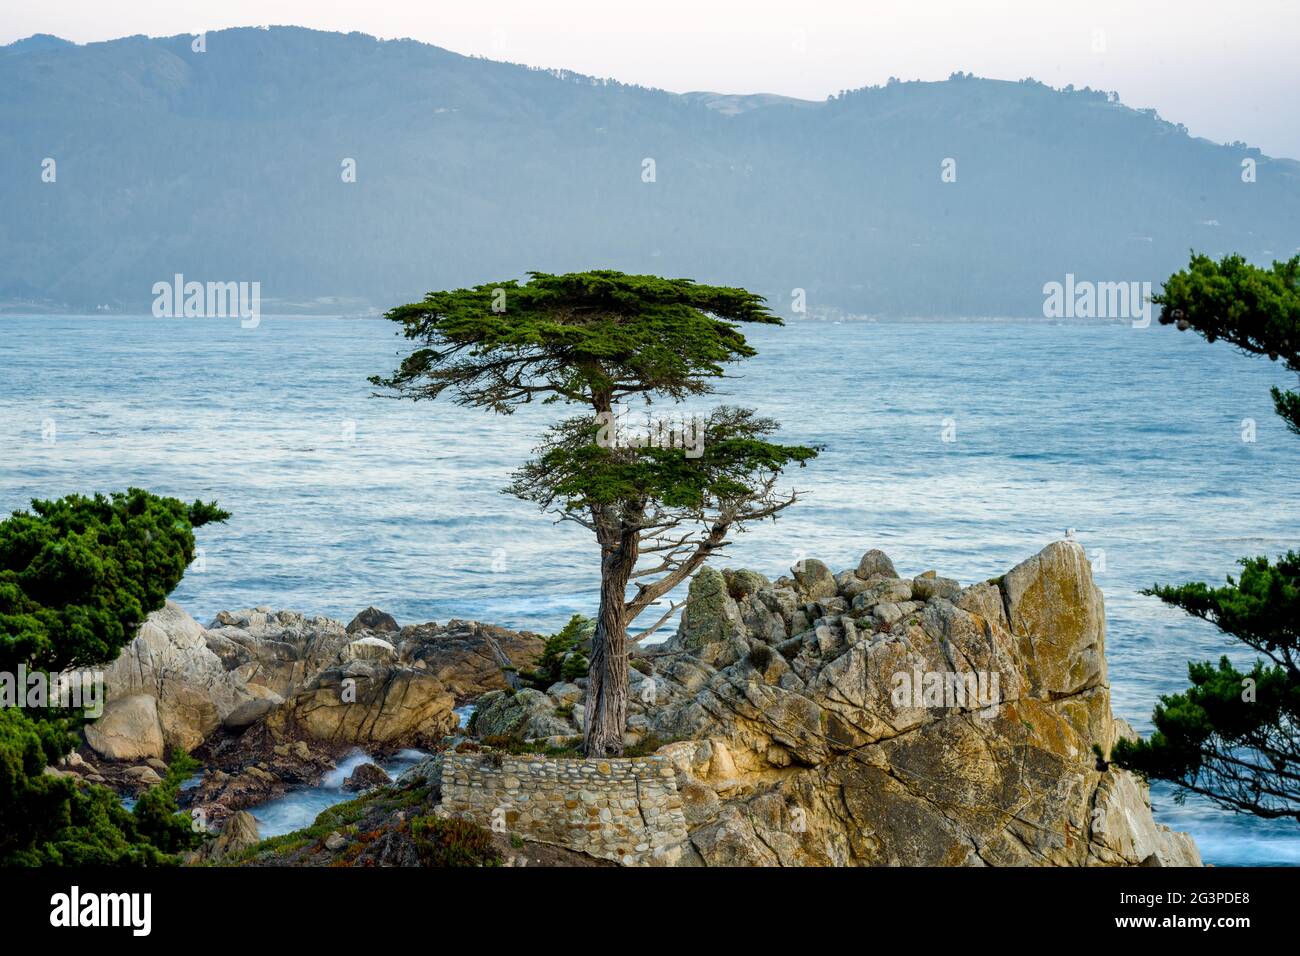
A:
369, 684
366, 777
898, 721
823, 718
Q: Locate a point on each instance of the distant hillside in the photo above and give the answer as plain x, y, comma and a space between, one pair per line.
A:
225, 165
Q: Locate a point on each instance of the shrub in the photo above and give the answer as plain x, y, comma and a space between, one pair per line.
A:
575, 666
453, 842
78, 576
156, 814
560, 659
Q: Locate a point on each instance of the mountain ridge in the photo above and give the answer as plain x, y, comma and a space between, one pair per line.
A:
226, 165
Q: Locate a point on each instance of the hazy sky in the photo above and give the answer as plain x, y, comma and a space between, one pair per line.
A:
1229, 70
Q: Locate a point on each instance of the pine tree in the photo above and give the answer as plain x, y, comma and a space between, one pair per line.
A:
1233, 736
597, 340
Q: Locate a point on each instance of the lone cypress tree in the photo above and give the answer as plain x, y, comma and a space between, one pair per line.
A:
597, 340
78, 576
1235, 737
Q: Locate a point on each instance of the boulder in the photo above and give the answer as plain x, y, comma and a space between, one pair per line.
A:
814, 579
710, 615
468, 657
239, 832
142, 777
875, 564
568, 694
427, 772
169, 660
251, 711
926, 587
367, 704
366, 777
129, 729
373, 619
744, 582
522, 715
282, 651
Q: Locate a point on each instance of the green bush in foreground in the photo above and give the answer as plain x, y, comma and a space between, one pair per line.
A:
77, 578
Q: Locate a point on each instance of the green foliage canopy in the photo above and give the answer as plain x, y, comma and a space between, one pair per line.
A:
587, 337
79, 575
1255, 309
77, 578
561, 658
1234, 736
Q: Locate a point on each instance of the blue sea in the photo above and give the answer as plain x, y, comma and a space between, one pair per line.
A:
963, 447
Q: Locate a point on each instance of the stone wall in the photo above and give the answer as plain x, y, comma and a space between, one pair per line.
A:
625, 810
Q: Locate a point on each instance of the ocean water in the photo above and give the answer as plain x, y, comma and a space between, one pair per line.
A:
1134, 438
299, 808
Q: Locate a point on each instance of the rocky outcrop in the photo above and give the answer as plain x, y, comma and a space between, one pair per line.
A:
851, 718
238, 834
373, 619
898, 721
469, 657
250, 769
710, 615
129, 729
366, 777
426, 772
522, 715
368, 704
369, 684
281, 651
189, 689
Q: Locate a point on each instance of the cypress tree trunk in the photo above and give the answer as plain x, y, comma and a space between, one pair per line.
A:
606, 707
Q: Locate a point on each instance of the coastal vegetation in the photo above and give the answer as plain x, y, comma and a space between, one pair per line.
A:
78, 576
1234, 736
598, 340
562, 658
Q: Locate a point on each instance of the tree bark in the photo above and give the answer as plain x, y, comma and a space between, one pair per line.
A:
606, 707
